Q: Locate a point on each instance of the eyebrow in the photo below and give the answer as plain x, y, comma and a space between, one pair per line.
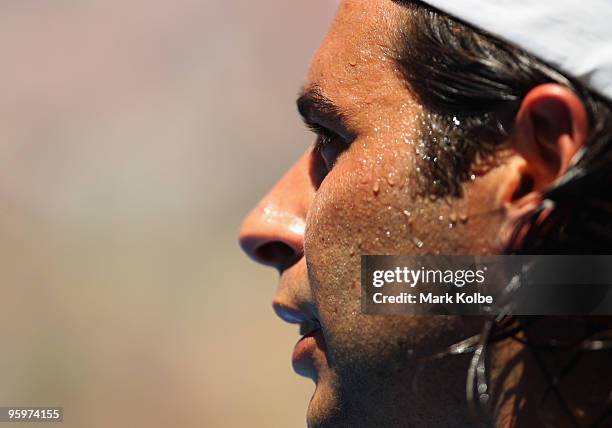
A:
319, 111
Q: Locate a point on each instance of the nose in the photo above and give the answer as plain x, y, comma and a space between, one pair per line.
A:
273, 233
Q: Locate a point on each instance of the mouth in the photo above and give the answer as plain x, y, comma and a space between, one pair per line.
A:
309, 327
303, 358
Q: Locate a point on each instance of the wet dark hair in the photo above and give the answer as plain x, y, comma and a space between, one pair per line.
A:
471, 85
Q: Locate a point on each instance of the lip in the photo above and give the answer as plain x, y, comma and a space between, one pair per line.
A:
303, 358
308, 355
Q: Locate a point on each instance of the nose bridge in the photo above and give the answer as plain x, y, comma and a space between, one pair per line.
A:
273, 232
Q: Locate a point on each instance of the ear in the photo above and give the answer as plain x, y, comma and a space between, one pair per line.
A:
550, 128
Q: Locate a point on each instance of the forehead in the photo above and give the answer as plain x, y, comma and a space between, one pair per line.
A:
354, 65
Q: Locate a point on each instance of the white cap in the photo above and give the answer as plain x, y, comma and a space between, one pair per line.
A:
573, 36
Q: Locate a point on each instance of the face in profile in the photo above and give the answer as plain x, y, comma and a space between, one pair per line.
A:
353, 193
359, 190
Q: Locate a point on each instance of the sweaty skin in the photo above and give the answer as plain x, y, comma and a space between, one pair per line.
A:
370, 370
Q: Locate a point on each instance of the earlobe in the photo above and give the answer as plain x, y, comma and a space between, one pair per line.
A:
518, 199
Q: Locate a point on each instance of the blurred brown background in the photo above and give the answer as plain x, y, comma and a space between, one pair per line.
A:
134, 136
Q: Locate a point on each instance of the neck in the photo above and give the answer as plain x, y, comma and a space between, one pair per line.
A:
552, 386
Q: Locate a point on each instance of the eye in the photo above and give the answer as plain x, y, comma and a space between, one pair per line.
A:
328, 148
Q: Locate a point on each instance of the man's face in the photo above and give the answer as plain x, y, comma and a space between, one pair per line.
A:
357, 196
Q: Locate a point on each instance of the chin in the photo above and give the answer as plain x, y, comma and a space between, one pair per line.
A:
324, 409
328, 408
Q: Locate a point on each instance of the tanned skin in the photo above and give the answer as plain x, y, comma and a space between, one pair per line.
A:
356, 195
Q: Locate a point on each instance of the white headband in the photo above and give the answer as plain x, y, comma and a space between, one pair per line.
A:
574, 36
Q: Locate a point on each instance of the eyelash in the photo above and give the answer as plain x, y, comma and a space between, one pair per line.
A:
327, 147
325, 136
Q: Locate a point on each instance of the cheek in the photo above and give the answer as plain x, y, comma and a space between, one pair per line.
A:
366, 206
360, 205
359, 209
334, 237
355, 211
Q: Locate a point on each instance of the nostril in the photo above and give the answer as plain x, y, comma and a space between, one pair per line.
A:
276, 253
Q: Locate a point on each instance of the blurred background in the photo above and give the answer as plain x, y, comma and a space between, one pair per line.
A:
134, 136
